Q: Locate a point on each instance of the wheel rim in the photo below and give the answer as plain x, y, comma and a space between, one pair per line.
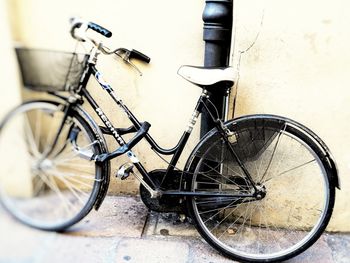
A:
278, 224
45, 191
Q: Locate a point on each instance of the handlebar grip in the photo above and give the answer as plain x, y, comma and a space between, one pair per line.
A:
138, 55
99, 29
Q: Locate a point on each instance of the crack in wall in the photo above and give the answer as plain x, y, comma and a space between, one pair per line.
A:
240, 54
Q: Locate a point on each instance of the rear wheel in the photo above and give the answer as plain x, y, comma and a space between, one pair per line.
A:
294, 195
48, 188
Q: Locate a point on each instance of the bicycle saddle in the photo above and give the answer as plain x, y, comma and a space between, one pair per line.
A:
204, 76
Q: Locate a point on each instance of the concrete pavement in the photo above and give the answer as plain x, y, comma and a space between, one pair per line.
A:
124, 231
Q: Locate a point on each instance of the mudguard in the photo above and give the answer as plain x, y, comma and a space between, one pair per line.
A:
328, 159
99, 135
322, 150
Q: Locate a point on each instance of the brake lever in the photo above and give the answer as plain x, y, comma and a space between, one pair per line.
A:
134, 66
126, 58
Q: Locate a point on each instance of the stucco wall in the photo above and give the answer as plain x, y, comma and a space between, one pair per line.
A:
297, 66
10, 96
10, 93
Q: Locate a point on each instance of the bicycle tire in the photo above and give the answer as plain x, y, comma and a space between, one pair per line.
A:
299, 197
60, 189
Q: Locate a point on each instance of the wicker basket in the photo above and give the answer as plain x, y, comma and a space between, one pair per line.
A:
46, 70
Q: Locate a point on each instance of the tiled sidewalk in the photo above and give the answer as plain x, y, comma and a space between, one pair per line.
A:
124, 231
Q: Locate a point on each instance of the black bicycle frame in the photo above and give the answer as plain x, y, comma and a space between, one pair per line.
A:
136, 126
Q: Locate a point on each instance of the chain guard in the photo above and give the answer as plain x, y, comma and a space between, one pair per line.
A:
164, 204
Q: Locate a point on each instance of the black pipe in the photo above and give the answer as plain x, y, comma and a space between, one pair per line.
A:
217, 32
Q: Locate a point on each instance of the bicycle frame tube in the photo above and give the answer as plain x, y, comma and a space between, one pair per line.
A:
137, 124
111, 130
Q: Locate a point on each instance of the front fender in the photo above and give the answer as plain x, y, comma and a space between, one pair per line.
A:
99, 135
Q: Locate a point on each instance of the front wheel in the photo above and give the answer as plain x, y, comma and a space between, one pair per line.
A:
277, 213
46, 184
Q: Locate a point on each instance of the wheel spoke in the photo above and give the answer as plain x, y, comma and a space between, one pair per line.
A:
30, 138
73, 189
38, 128
72, 177
230, 205
69, 156
53, 186
291, 169
207, 165
274, 151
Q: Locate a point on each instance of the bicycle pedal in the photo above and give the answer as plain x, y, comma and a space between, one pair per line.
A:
124, 171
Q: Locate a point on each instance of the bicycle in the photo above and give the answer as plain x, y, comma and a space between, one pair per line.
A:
259, 188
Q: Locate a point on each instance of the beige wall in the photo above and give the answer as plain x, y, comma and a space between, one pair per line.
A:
299, 68
8, 76
10, 96
296, 68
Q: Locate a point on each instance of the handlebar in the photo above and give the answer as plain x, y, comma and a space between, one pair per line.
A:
78, 32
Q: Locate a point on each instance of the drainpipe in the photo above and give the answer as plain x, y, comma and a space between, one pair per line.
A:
217, 32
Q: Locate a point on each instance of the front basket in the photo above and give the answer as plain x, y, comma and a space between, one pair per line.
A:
46, 70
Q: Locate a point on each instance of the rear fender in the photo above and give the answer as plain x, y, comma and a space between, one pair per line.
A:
322, 150
328, 159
